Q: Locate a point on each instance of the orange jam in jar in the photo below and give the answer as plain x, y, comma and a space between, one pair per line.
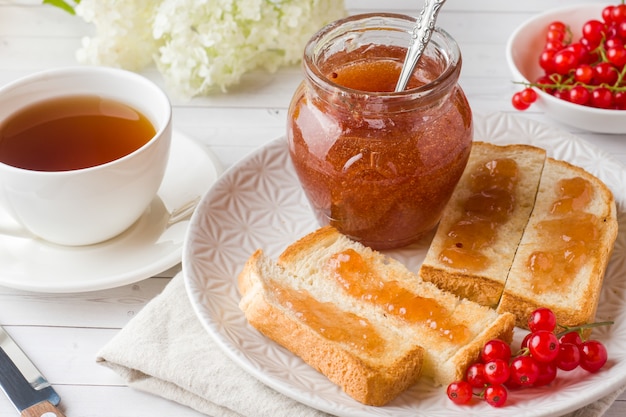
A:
376, 164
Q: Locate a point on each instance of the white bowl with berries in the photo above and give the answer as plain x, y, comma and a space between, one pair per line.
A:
571, 63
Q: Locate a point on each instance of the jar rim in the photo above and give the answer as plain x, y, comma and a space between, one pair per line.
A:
357, 24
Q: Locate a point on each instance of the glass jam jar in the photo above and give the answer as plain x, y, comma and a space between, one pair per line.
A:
376, 164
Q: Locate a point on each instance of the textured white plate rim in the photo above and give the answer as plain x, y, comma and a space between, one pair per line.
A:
161, 244
565, 396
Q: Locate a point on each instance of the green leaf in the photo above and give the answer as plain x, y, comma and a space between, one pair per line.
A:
62, 4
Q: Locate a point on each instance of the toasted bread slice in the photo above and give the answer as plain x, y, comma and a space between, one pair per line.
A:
563, 254
356, 348
449, 329
479, 231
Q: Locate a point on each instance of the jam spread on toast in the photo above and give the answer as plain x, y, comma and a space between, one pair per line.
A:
329, 322
490, 204
361, 281
570, 234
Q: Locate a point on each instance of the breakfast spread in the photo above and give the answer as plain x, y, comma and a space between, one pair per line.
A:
522, 232
502, 250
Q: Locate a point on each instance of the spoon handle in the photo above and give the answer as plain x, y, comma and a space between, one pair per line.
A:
420, 37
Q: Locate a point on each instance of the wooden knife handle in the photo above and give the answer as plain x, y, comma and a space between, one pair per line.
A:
43, 409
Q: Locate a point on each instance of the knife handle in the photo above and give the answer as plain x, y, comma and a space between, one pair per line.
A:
42, 409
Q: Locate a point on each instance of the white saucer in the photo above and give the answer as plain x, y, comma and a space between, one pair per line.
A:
149, 247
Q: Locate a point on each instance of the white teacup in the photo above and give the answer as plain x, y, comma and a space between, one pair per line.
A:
91, 204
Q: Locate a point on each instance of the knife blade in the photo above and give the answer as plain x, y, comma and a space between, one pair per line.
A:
22, 382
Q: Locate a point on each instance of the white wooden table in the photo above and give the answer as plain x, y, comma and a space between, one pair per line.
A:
63, 332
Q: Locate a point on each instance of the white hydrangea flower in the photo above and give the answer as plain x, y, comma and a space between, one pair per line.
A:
124, 33
202, 45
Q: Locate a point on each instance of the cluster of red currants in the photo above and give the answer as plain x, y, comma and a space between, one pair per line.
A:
588, 72
542, 353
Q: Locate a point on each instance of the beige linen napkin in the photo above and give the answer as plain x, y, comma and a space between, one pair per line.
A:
165, 350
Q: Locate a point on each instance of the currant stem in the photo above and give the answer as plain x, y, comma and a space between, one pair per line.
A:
620, 77
522, 352
562, 86
580, 328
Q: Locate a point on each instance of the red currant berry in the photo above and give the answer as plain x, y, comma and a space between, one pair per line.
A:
518, 103
495, 349
555, 35
460, 392
543, 346
497, 371
579, 95
593, 32
581, 52
593, 355
602, 98
616, 56
605, 73
611, 32
618, 14
557, 26
584, 74
546, 60
475, 375
564, 61
561, 94
613, 43
542, 319
619, 100
568, 357
496, 395
547, 373
571, 337
607, 15
524, 371
620, 30
553, 46
529, 95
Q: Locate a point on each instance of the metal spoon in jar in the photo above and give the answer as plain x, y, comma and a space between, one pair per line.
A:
422, 32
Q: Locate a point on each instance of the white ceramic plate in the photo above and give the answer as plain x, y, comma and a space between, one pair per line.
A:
259, 204
149, 247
